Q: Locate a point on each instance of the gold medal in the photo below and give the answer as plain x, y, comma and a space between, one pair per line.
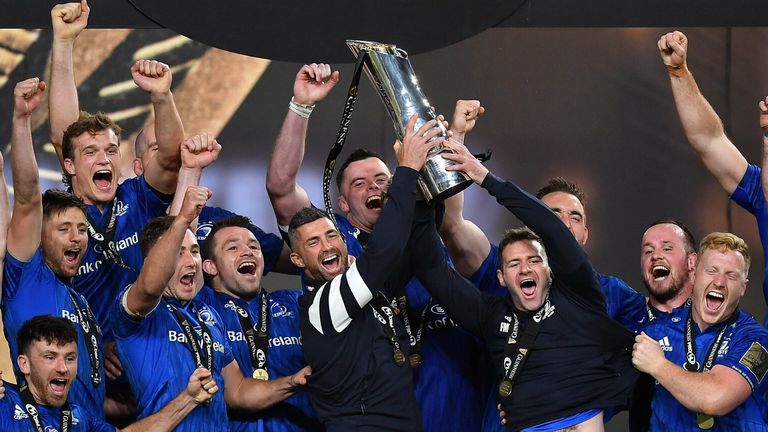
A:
414, 360
705, 421
399, 357
260, 374
505, 388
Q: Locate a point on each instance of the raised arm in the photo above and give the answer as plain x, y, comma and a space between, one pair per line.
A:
161, 171
67, 20
460, 298
27, 219
5, 218
565, 254
701, 124
467, 245
312, 85
197, 152
159, 264
200, 389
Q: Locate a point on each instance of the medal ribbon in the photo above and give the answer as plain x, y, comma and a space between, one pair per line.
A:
33, 412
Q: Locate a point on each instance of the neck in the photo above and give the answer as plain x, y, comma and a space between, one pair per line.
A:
34, 391
88, 201
675, 302
169, 294
242, 296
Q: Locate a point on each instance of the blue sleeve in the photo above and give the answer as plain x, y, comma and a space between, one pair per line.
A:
150, 202
485, 278
271, 244
623, 303
11, 276
748, 356
124, 325
97, 424
749, 195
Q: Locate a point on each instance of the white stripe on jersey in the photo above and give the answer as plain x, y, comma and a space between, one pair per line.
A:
314, 310
340, 316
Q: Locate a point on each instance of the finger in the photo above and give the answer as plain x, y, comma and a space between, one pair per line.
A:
84, 7
426, 127
411, 125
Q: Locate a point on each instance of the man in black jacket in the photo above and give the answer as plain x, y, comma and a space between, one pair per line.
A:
560, 359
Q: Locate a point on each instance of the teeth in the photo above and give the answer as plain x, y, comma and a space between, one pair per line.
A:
329, 259
659, 267
715, 295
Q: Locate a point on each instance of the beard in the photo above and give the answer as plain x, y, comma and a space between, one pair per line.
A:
664, 294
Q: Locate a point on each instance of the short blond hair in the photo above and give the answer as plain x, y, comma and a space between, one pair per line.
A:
724, 242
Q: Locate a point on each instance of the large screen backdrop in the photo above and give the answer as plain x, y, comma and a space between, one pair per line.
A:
593, 105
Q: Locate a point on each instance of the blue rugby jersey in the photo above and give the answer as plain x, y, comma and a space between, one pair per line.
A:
31, 289
749, 195
454, 363
623, 304
13, 416
743, 350
284, 357
158, 362
99, 279
271, 244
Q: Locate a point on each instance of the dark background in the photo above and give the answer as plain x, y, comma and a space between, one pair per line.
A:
576, 91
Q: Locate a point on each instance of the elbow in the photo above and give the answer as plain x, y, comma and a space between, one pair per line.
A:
716, 404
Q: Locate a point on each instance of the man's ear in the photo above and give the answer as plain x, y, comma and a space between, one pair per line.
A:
210, 267
297, 260
23, 363
69, 166
343, 205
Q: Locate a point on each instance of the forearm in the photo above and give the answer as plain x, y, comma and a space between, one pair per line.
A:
764, 168
187, 177
26, 179
167, 418
459, 297
286, 195
390, 235
699, 392
466, 243
63, 104
251, 394
169, 131
157, 270
564, 252
700, 121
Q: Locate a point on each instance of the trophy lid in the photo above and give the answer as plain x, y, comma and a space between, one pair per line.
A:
357, 45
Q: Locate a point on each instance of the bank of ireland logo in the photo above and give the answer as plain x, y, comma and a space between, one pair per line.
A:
379, 317
507, 362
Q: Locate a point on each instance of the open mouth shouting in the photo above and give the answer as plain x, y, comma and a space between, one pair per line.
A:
331, 262
102, 179
374, 202
72, 256
714, 301
187, 280
247, 268
58, 387
528, 288
660, 272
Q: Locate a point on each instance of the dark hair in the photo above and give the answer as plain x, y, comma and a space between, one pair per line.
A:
303, 217
690, 240
152, 231
46, 328
91, 123
514, 235
57, 201
560, 184
357, 155
230, 221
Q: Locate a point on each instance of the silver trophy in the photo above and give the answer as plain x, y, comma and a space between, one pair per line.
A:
392, 75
